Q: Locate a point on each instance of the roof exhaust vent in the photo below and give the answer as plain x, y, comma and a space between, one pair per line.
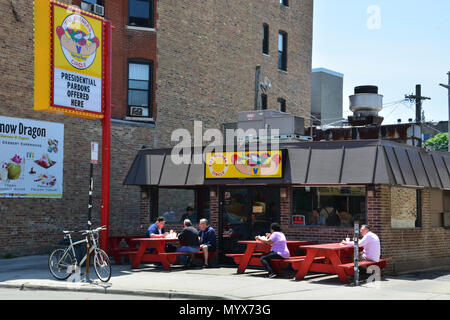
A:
365, 104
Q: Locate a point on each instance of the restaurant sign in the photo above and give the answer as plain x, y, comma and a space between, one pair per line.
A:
31, 161
68, 60
249, 164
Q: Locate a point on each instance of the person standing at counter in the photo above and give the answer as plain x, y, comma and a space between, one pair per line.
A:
279, 250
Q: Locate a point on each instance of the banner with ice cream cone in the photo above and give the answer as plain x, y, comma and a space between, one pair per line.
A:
32, 157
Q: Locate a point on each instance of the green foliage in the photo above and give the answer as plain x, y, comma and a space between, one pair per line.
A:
439, 142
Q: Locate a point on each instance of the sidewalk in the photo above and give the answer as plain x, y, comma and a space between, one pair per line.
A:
223, 283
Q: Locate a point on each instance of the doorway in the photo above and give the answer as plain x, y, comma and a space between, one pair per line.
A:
246, 213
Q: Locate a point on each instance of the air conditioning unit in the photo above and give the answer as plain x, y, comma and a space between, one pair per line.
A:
99, 10
136, 112
94, 8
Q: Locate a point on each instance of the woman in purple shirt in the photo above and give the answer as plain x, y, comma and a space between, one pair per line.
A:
279, 250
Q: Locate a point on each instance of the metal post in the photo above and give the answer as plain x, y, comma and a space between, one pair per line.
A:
258, 88
448, 88
356, 254
106, 139
91, 190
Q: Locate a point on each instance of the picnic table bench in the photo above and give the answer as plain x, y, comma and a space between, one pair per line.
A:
117, 252
349, 267
255, 249
336, 261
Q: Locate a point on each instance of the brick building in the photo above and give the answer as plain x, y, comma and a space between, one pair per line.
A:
173, 62
401, 191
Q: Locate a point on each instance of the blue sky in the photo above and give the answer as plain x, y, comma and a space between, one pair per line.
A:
396, 45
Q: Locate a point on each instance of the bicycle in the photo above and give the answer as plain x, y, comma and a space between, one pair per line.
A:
62, 262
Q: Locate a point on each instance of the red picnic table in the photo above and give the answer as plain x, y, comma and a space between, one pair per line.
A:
116, 252
325, 258
159, 246
255, 249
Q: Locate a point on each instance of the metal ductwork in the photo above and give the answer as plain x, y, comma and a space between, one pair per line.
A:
365, 104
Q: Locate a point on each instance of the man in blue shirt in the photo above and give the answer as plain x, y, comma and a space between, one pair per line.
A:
207, 236
157, 230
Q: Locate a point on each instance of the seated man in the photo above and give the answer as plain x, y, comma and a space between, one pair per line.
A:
189, 215
371, 244
207, 236
189, 240
157, 230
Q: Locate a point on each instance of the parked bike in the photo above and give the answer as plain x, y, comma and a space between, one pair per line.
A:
62, 262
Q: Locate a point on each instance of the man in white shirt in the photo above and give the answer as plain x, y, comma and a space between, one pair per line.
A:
371, 244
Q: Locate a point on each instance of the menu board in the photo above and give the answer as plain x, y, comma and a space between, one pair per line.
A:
32, 158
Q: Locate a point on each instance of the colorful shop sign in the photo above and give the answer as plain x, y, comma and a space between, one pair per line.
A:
69, 60
31, 161
249, 164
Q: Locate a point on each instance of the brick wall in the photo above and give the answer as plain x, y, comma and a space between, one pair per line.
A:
208, 52
33, 226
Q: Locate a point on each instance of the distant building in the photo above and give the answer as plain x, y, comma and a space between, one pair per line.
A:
327, 95
430, 129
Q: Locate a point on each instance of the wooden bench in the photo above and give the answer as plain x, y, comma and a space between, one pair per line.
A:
349, 267
118, 253
295, 262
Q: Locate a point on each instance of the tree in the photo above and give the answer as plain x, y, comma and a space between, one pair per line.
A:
439, 142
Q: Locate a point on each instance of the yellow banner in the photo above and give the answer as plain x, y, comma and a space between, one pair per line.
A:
249, 164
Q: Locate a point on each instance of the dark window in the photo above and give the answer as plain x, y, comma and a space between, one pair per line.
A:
265, 39
419, 208
172, 204
140, 13
263, 101
284, 3
329, 206
140, 88
282, 51
282, 103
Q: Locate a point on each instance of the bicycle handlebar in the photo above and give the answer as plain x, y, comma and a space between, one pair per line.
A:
93, 231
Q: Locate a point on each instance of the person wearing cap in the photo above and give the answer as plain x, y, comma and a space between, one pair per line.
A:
157, 230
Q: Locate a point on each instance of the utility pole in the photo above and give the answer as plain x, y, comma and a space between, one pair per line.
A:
448, 88
418, 99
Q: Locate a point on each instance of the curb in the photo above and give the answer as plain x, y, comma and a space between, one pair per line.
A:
106, 291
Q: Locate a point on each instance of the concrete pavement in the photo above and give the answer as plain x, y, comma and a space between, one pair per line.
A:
223, 283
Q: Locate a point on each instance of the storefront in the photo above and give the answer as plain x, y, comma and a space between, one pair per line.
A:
316, 193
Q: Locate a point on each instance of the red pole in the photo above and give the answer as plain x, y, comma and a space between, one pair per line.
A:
106, 139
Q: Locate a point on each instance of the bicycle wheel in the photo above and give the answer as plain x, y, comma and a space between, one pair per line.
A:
59, 262
102, 265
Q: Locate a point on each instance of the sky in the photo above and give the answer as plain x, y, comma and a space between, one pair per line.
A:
394, 44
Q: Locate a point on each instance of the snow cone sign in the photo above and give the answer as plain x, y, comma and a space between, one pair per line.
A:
69, 63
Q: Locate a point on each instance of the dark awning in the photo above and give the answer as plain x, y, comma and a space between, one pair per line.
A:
361, 162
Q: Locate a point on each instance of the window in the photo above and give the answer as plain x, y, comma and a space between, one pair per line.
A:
406, 208
173, 204
263, 101
93, 6
282, 51
265, 39
140, 88
140, 13
284, 3
282, 103
329, 206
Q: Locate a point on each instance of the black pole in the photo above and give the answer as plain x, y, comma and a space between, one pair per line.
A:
91, 189
418, 104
